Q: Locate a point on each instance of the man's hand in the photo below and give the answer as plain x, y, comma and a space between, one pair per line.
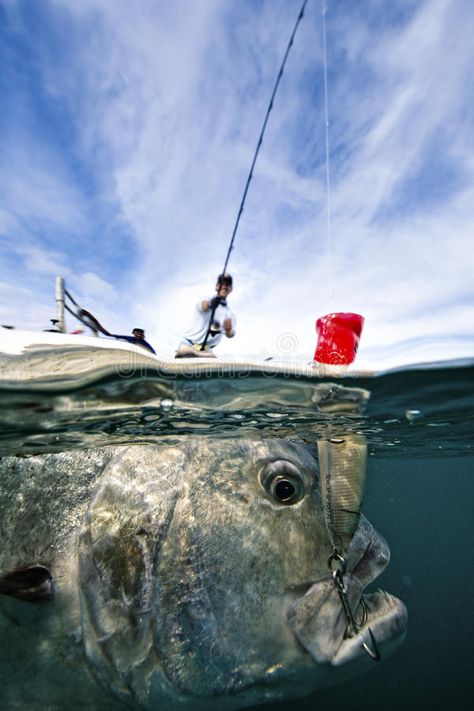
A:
228, 327
208, 305
215, 302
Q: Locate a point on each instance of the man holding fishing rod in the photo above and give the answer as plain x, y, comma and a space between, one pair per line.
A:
213, 316
212, 319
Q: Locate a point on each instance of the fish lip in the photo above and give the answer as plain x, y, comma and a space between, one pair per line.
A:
317, 618
367, 547
386, 624
386, 615
368, 555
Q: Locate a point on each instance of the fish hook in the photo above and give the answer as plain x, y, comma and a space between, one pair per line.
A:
337, 566
374, 652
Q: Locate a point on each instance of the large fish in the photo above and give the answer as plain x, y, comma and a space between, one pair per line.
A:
192, 576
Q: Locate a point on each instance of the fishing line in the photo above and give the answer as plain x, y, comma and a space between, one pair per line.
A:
325, 8
336, 562
257, 150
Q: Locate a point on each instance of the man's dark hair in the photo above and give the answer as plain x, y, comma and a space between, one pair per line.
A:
139, 329
224, 279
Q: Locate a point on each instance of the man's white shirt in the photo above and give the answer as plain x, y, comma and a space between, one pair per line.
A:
197, 330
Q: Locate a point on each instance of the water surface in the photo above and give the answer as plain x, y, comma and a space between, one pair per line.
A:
46, 406
419, 428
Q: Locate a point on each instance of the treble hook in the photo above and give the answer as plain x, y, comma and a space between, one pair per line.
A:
374, 652
337, 566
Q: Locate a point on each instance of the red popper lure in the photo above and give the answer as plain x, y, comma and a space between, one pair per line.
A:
338, 338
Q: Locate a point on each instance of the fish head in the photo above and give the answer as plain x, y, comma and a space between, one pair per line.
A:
204, 578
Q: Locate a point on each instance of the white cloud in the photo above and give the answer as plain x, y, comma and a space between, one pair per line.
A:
36, 187
92, 286
166, 107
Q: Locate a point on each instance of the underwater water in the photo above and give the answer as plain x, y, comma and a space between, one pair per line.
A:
419, 429
423, 506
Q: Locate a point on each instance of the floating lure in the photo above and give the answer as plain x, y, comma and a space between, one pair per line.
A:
342, 465
338, 338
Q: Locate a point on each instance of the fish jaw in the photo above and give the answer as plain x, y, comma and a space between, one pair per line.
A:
386, 620
317, 618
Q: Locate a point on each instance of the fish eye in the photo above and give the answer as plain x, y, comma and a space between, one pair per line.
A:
283, 482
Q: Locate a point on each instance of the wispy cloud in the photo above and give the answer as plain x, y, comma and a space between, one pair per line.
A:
129, 133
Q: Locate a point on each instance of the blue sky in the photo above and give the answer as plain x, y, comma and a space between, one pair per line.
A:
126, 135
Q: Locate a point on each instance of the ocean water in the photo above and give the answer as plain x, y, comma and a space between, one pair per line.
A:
418, 424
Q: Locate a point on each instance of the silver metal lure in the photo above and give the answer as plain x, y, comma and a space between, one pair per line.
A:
342, 466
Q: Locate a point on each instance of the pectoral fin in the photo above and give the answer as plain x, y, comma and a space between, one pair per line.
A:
34, 584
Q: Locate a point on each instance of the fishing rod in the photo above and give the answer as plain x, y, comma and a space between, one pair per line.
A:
216, 301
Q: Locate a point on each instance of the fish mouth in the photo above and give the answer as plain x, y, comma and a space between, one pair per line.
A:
383, 629
320, 624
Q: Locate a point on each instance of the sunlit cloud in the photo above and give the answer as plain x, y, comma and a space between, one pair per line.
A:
129, 132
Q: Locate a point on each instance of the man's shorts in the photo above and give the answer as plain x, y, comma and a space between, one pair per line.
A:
193, 350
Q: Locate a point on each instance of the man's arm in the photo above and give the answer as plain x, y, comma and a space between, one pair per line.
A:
130, 339
149, 347
208, 304
228, 329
